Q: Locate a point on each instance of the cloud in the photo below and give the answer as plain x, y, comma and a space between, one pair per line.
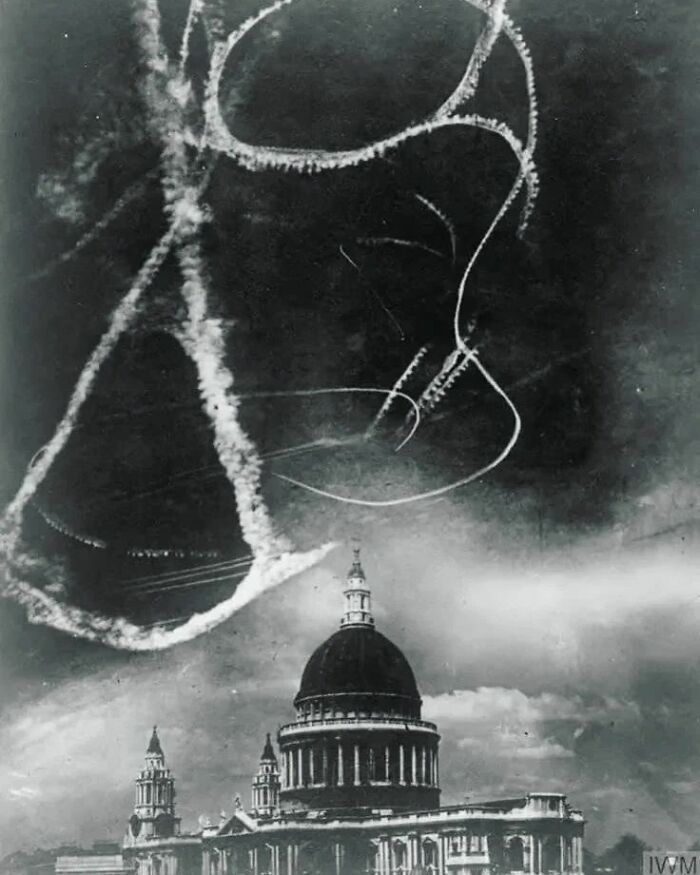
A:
24, 792
512, 708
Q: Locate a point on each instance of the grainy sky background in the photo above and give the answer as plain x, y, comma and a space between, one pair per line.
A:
549, 611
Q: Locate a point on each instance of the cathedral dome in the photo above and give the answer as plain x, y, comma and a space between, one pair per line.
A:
355, 660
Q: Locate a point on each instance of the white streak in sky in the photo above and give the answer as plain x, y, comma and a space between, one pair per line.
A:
395, 393
442, 490
449, 225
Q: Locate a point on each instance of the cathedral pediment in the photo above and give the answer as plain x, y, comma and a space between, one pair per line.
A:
238, 823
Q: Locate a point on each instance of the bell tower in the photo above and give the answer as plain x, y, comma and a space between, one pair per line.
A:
266, 783
154, 808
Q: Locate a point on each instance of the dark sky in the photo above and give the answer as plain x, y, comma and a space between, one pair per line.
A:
555, 597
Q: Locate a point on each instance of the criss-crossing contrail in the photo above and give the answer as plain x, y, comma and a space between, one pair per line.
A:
169, 100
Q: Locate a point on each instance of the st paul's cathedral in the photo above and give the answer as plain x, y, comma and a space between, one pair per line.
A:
353, 787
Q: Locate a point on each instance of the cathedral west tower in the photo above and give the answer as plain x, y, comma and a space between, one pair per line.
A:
154, 808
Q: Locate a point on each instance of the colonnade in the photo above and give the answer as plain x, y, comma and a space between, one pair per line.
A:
543, 854
436, 853
344, 763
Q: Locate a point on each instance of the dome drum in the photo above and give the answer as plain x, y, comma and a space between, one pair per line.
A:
373, 764
358, 740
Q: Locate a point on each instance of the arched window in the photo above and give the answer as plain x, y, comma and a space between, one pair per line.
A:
399, 855
429, 855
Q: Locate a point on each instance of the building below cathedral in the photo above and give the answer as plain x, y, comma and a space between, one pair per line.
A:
355, 787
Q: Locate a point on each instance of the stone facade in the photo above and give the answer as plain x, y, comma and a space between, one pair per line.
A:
356, 788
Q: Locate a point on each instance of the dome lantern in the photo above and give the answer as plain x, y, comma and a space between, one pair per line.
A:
358, 606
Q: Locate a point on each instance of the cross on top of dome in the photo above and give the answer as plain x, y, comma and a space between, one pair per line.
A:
357, 570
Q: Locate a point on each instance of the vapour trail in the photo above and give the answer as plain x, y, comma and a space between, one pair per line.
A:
122, 634
439, 386
167, 587
442, 490
193, 13
201, 335
484, 45
131, 193
207, 568
449, 225
182, 205
398, 241
310, 160
347, 390
510, 198
394, 392
220, 138
182, 208
122, 317
60, 527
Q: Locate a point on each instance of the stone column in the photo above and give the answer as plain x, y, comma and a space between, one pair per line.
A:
338, 849
312, 777
442, 854
401, 765
324, 765
414, 766
562, 854
384, 856
423, 776
341, 776
387, 761
413, 856
357, 764
300, 767
291, 868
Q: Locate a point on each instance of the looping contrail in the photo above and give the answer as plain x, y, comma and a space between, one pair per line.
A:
168, 94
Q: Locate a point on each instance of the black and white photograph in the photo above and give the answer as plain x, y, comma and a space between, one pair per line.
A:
350, 448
